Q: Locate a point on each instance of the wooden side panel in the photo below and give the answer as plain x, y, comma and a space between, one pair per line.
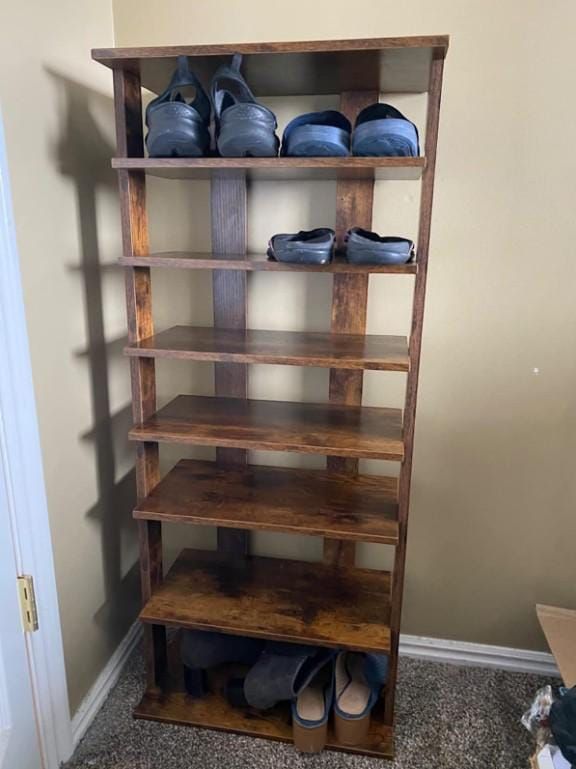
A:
228, 205
349, 299
426, 197
132, 186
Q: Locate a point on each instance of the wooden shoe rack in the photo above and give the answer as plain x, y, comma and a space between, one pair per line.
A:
334, 603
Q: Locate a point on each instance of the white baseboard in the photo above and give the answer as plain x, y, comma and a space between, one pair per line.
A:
94, 700
478, 655
433, 649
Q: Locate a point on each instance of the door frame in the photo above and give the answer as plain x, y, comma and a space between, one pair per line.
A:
21, 465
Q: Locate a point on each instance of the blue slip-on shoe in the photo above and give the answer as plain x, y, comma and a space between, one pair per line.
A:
244, 128
317, 134
358, 680
311, 709
176, 127
382, 131
282, 671
304, 247
365, 247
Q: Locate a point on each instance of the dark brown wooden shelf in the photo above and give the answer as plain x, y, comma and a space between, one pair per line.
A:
276, 169
295, 348
384, 65
257, 262
312, 502
174, 706
274, 598
311, 428
214, 712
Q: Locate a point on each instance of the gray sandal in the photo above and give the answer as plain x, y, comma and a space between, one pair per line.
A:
176, 127
365, 247
244, 128
304, 247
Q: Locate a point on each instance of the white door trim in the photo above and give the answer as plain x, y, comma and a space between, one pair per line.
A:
21, 463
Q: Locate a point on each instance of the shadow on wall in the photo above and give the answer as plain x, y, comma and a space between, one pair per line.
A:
83, 154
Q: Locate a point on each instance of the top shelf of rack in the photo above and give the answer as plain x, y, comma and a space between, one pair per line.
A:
385, 64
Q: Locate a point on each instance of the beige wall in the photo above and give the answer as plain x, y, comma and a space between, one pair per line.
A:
57, 113
493, 526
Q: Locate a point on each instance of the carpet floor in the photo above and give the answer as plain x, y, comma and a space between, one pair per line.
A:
449, 717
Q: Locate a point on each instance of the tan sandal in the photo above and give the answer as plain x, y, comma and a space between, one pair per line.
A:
358, 681
310, 711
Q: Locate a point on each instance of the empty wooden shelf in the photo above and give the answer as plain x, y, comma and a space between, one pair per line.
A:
296, 348
283, 499
276, 169
276, 599
383, 64
311, 428
185, 260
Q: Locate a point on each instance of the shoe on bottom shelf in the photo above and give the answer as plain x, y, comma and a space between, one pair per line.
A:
358, 680
203, 649
304, 247
365, 247
311, 709
282, 671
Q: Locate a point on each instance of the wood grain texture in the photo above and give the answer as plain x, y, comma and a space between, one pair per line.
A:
275, 169
312, 428
229, 291
387, 65
272, 598
214, 712
173, 705
295, 348
134, 220
257, 262
282, 499
426, 198
349, 301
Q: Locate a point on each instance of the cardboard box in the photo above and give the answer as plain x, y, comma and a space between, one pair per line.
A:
559, 626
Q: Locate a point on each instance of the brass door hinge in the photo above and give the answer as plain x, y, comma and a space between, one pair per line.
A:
28, 603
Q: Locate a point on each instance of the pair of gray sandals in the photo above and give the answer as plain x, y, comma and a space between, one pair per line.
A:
361, 247
178, 122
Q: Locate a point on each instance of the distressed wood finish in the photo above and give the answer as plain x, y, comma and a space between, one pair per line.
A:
229, 290
311, 428
214, 712
275, 169
132, 187
272, 598
426, 199
183, 260
229, 590
386, 65
349, 300
281, 499
295, 348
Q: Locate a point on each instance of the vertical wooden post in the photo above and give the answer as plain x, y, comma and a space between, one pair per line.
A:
229, 287
132, 184
426, 197
349, 299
